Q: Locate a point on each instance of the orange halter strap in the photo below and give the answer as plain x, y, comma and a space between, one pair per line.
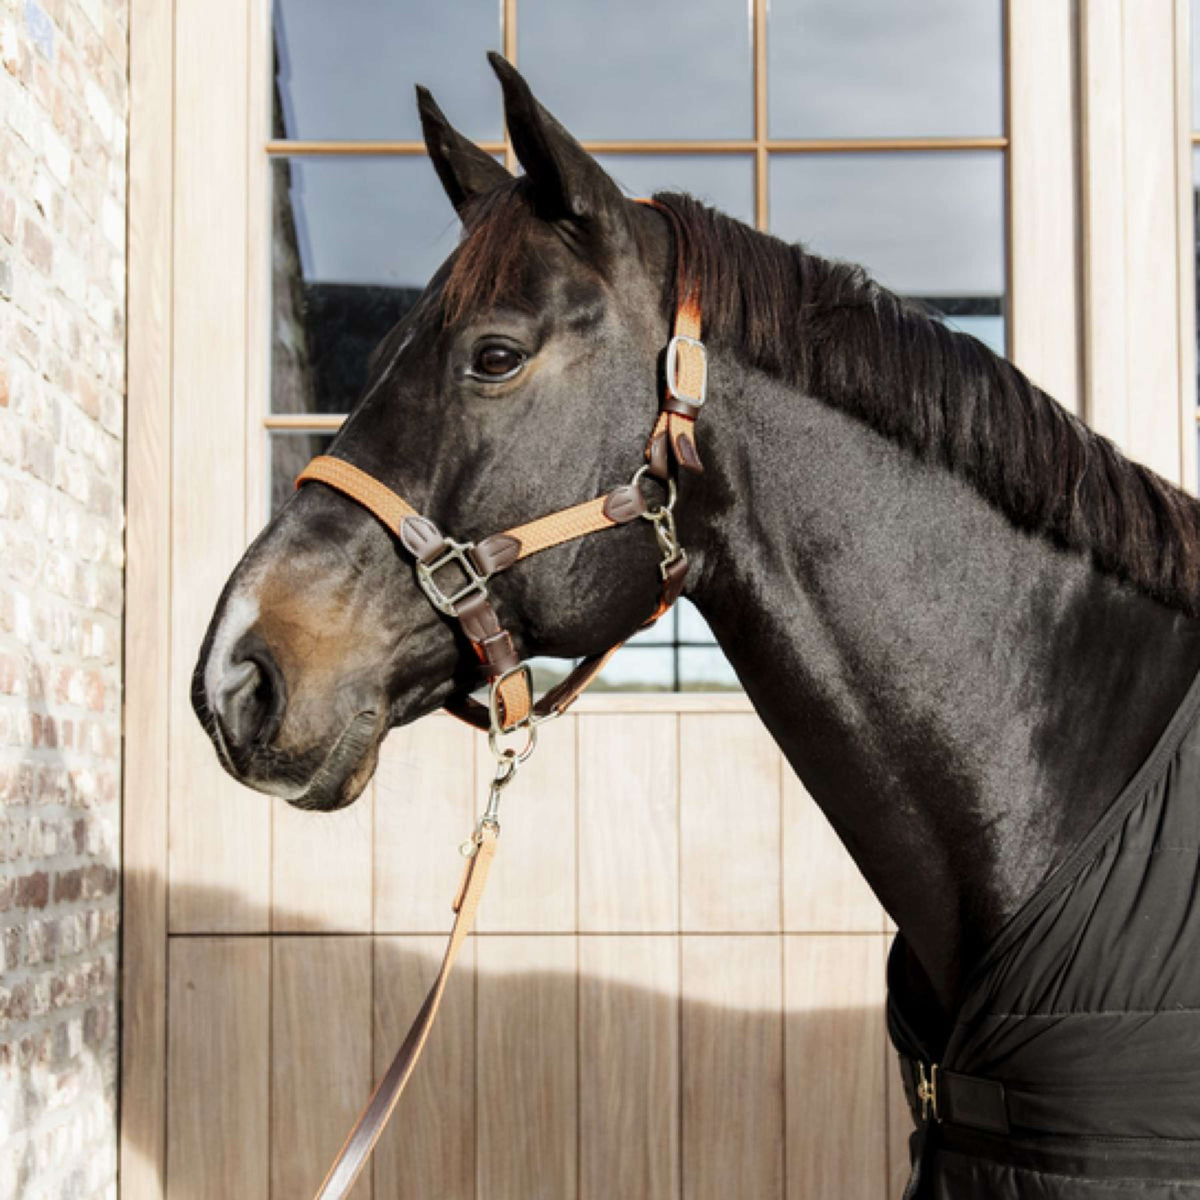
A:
455, 575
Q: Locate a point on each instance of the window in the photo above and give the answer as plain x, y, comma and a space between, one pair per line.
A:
867, 130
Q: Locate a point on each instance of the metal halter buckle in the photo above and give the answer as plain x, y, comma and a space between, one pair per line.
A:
458, 553
673, 368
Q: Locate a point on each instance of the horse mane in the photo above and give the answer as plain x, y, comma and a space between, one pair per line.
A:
831, 330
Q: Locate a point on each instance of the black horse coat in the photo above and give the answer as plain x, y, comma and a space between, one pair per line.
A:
1072, 1068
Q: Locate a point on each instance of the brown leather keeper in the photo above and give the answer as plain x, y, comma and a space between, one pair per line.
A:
496, 553
657, 456
624, 504
673, 581
422, 538
499, 654
685, 408
478, 618
685, 452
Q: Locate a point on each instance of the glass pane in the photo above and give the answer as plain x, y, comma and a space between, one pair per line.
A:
875, 68
929, 226
639, 669
724, 181
641, 68
706, 670
345, 69
354, 242
289, 452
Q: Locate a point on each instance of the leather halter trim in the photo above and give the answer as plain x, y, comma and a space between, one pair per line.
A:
672, 438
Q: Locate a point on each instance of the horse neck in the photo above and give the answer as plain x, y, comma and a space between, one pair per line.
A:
961, 699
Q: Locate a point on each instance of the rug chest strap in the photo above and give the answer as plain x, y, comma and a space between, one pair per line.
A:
952, 1098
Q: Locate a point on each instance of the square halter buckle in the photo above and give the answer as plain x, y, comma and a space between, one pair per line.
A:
676, 347
457, 554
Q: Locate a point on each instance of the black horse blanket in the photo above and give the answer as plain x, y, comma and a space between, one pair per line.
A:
1072, 1069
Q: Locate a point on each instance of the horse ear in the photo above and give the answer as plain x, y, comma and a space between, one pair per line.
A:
566, 178
464, 169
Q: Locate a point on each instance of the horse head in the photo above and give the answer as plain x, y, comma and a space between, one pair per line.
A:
524, 380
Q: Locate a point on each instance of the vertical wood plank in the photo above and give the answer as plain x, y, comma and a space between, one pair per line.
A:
1151, 248
629, 1068
823, 889
260, 245
628, 822
836, 1105
429, 1149
531, 888
321, 868
217, 1068
1185, 207
220, 832
147, 678
732, 1039
526, 1063
1102, 186
424, 797
320, 1056
730, 824
1042, 195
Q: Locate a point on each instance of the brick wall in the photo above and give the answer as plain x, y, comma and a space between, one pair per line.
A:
62, 279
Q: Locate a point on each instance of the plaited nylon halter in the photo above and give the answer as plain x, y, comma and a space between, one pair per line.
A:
511, 707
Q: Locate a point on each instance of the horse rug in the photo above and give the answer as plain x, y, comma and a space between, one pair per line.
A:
1072, 1067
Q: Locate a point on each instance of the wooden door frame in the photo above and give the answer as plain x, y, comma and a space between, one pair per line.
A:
1047, 238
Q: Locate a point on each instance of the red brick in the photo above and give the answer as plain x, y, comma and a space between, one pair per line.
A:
33, 891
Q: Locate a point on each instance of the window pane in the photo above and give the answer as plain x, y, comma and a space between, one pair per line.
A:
641, 68
639, 669
726, 181
706, 670
355, 240
875, 68
289, 452
930, 226
345, 69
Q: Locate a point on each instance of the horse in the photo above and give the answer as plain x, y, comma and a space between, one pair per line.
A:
971, 624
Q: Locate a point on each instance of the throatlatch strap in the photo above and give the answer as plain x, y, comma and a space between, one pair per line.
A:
687, 371
371, 1122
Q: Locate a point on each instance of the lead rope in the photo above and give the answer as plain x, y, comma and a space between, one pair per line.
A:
511, 710
479, 850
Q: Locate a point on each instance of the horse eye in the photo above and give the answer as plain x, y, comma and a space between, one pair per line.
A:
496, 362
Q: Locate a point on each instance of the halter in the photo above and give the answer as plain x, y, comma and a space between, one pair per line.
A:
455, 577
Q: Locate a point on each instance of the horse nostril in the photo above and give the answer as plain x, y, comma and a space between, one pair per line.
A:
250, 700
